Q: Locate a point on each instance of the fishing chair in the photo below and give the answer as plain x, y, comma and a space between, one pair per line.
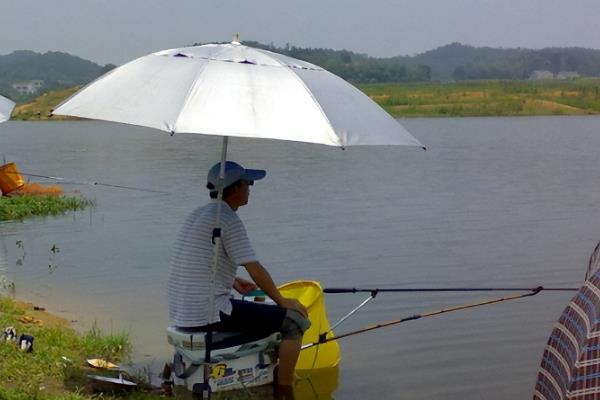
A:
198, 345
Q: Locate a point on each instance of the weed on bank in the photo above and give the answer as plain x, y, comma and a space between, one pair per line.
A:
56, 368
20, 207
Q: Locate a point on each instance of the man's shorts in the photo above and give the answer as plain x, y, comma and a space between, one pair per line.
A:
252, 318
259, 319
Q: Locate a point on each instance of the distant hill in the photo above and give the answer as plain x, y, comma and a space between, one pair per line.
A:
356, 67
457, 62
444, 62
453, 62
56, 70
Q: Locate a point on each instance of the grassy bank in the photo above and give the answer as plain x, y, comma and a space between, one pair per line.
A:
489, 98
19, 207
41, 107
56, 369
435, 99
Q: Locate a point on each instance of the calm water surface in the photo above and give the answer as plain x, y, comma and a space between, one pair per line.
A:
492, 202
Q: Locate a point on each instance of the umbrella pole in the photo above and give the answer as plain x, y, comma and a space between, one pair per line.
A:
217, 231
216, 238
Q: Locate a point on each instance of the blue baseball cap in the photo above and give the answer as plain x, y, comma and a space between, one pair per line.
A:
233, 172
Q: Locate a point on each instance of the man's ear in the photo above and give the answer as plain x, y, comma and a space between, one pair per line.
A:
237, 185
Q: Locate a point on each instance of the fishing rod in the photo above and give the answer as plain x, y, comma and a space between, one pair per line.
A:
93, 183
457, 289
324, 339
373, 293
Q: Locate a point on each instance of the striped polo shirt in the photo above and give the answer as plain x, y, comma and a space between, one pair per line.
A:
188, 286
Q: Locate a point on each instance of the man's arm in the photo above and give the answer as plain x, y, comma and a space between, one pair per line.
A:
243, 286
263, 279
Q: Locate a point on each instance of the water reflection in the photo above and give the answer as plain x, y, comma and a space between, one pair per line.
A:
316, 384
7, 286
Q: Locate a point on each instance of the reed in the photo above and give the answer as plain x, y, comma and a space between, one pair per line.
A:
20, 207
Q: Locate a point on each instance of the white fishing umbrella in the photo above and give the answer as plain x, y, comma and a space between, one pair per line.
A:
6, 107
235, 90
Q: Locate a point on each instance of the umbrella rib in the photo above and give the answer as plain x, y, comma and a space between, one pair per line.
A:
336, 139
173, 129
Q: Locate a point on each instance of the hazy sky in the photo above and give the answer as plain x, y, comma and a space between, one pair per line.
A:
111, 31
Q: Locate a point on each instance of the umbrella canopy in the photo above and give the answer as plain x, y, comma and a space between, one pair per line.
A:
570, 367
235, 90
6, 107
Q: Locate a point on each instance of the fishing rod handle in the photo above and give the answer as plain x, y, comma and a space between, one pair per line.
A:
339, 290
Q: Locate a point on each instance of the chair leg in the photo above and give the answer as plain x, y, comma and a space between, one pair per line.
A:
207, 359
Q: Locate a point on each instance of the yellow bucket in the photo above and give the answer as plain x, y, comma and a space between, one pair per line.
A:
326, 355
10, 178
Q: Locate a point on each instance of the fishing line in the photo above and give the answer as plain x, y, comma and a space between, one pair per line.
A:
323, 339
93, 183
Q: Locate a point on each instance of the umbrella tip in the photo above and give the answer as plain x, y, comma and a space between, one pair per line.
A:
236, 39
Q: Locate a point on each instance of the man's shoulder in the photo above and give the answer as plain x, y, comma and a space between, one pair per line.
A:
228, 216
209, 208
197, 215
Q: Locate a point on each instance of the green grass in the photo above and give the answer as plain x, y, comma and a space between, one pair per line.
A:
488, 98
41, 107
44, 374
19, 207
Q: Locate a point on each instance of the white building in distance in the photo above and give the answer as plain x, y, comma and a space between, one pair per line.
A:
541, 74
567, 75
31, 87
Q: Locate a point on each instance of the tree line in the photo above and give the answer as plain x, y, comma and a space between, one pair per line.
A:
453, 62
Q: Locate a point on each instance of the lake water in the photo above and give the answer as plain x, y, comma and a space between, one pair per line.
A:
492, 202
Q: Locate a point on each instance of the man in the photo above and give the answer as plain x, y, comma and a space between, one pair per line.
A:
190, 274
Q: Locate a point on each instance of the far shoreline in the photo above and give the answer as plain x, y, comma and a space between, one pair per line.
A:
480, 98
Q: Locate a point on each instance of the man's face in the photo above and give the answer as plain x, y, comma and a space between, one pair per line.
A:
243, 192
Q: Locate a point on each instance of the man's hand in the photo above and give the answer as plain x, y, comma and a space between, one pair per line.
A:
243, 286
261, 276
293, 304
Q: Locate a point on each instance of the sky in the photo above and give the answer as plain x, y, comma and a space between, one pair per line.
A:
116, 31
